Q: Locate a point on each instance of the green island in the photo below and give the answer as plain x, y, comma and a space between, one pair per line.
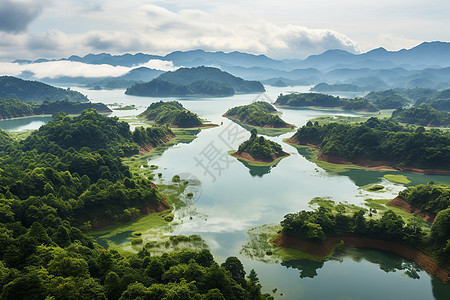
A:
320, 233
258, 151
343, 87
35, 91
261, 116
378, 144
173, 114
126, 107
68, 178
199, 81
323, 100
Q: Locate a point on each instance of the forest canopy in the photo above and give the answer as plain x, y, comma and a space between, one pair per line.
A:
171, 113
380, 140
261, 114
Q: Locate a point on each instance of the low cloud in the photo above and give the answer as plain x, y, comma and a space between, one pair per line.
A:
54, 69
15, 16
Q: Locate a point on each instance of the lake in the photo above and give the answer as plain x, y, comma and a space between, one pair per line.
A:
234, 197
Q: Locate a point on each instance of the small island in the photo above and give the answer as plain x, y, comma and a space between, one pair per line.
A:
258, 151
261, 116
343, 87
200, 81
172, 114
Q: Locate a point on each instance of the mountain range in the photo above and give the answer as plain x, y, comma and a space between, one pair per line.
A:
426, 65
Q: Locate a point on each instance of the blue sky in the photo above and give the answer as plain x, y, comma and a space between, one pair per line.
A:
280, 29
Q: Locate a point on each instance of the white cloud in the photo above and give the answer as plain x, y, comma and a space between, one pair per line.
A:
157, 64
53, 69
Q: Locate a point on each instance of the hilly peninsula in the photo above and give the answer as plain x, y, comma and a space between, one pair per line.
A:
35, 91
200, 81
14, 108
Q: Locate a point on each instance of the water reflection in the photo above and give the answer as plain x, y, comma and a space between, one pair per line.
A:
386, 261
259, 171
307, 268
24, 124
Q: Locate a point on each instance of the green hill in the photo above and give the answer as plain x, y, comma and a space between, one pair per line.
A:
423, 115
35, 91
161, 88
171, 113
261, 114
13, 108
322, 100
200, 81
257, 148
379, 140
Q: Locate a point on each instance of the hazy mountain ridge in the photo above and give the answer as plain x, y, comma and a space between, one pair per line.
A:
426, 65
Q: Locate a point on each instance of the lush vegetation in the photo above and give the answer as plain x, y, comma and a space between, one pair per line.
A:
64, 178
389, 99
317, 225
12, 87
382, 140
430, 198
171, 113
260, 148
161, 88
259, 114
95, 132
13, 108
322, 100
210, 74
344, 87
423, 115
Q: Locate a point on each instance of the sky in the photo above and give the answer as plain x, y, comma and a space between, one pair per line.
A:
31, 29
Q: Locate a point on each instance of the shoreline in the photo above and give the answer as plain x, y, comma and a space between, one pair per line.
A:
256, 162
409, 208
325, 248
371, 165
288, 126
104, 222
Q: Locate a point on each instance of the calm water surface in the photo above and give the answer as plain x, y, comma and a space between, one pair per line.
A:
235, 197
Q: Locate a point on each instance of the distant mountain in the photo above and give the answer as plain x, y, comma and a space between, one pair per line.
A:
200, 81
161, 88
404, 68
138, 75
190, 75
12, 87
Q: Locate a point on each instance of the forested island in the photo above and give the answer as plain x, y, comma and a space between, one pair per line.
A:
259, 150
13, 108
258, 114
379, 143
35, 91
342, 87
172, 113
319, 232
322, 100
199, 81
423, 115
64, 178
